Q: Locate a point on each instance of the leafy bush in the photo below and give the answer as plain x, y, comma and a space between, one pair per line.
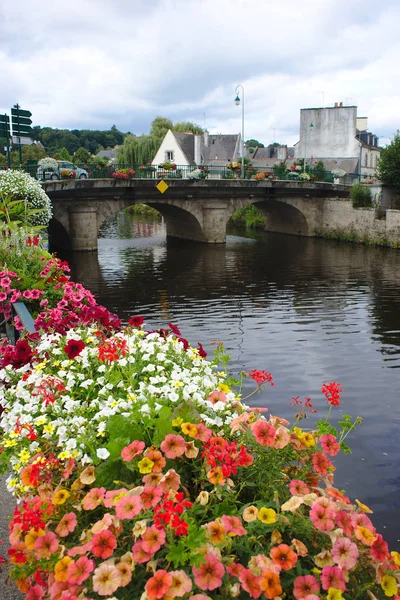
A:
360, 196
389, 163
280, 169
34, 205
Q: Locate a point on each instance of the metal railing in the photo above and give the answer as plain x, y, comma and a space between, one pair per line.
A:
19, 309
190, 172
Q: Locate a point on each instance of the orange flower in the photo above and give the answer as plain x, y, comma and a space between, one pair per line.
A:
270, 584
283, 556
215, 532
157, 458
216, 476
365, 535
61, 569
159, 584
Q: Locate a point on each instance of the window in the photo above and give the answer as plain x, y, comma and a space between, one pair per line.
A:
169, 155
366, 159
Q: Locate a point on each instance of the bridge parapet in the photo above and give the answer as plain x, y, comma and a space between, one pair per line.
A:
193, 209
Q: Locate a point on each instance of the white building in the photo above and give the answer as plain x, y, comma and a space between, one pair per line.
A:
206, 149
339, 138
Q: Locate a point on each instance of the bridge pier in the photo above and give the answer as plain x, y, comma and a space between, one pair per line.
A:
214, 221
83, 227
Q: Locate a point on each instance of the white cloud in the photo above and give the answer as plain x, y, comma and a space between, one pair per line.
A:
94, 63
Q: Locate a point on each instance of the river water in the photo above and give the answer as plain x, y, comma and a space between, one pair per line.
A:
306, 310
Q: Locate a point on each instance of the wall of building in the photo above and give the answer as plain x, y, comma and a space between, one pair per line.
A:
332, 135
369, 160
170, 143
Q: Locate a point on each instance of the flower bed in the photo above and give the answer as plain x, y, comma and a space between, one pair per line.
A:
142, 474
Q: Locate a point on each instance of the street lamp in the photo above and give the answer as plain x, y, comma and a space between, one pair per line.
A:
305, 146
237, 102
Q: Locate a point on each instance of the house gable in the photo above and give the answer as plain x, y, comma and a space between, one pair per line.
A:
171, 150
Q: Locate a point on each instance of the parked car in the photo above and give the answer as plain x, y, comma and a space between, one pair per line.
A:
65, 169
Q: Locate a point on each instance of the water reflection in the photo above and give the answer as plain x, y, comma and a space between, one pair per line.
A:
307, 310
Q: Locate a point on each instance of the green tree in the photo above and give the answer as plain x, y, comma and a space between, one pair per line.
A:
63, 154
187, 127
81, 156
252, 144
389, 164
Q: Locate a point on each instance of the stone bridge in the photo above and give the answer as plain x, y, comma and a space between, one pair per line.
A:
195, 210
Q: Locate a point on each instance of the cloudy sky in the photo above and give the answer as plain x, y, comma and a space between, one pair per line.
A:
95, 63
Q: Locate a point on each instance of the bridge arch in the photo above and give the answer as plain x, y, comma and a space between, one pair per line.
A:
283, 217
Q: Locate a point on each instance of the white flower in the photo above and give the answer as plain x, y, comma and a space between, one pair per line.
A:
102, 453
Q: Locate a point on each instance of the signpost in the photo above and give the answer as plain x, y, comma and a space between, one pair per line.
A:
21, 125
5, 133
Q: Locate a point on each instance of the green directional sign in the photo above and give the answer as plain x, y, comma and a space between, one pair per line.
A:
20, 121
4, 126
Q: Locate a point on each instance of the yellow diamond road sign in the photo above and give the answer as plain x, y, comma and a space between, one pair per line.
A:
162, 186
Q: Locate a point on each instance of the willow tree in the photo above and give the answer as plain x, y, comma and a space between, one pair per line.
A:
137, 150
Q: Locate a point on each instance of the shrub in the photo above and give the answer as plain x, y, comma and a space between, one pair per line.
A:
18, 186
360, 196
389, 163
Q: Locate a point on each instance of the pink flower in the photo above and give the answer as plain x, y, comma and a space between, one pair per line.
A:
66, 525
46, 545
35, 294
343, 520
128, 507
173, 445
158, 585
203, 433
106, 579
151, 496
332, 577
153, 539
110, 497
250, 583
93, 498
305, 585
139, 554
80, 570
27, 294
216, 396
3, 296
208, 576
264, 433
5, 282
233, 525
345, 553
134, 449
35, 593
181, 584
380, 549
170, 481
104, 544
298, 488
322, 517
321, 463
330, 444
282, 438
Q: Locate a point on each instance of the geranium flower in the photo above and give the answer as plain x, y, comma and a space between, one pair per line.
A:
345, 553
74, 348
106, 579
79, 571
128, 506
158, 585
134, 449
333, 577
66, 525
305, 585
173, 446
331, 392
208, 576
270, 584
264, 433
104, 544
283, 556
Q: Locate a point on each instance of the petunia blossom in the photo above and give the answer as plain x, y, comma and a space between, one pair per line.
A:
208, 575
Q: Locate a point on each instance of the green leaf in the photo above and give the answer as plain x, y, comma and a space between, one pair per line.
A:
177, 554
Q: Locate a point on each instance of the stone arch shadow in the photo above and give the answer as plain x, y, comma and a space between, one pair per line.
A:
59, 238
179, 222
281, 217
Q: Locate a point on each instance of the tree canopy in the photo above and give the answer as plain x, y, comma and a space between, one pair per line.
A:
389, 163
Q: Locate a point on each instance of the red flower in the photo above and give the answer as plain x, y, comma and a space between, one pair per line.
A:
74, 348
261, 377
202, 352
331, 392
136, 321
174, 329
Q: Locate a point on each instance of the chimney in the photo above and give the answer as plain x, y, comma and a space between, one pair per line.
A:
197, 149
206, 139
341, 104
336, 104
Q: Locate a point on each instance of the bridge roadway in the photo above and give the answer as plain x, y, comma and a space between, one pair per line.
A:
196, 210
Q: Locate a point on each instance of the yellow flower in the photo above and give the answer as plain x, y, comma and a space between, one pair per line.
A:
267, 515
177, 422
48, 428
41, 365
24, 456
61, 567
308, 439
89, 340
334, 594
64, 455
9, 443
56, 363
12, 483
221, 374
178, 384
363, 507
121, 495
60, 497
41, 420
189, 429
224, 388
31, 538
388, 585
396, 557
145, 465
131, 396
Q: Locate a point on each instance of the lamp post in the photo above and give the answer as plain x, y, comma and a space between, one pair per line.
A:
305, 145
237, 102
